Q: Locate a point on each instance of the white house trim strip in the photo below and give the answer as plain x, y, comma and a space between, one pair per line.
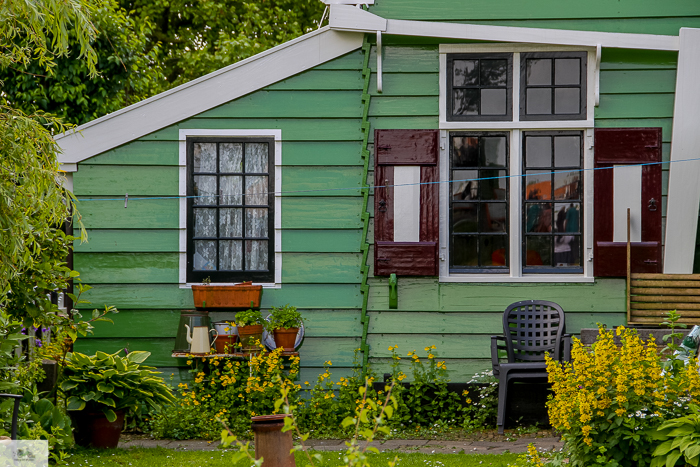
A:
683, 187
407, 203
627, 193
182, 162
343, 18
204, 93
380, 83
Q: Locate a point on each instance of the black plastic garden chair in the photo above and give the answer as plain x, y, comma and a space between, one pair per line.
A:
15, 413
530, 328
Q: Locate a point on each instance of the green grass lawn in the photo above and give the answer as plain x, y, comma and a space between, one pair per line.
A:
156, 457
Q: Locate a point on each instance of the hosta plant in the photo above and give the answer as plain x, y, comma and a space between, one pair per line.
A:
110, 382
679, 439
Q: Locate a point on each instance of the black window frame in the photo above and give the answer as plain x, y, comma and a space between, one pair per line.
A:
218, 276
582, 115
509, 87
524, 202
507, 234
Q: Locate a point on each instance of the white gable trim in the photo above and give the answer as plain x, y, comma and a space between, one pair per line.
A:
205, 93
347, 18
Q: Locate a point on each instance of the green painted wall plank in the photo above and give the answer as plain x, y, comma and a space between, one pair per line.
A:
450, 10
448, 345
321, 268
321, 181
577, 321
460, 370
171, 297
350, 61
637, 81
635, 105
418, 59
405, 123
328, 153
140, 214
312, 241
339, 350
327, 80
321, 213
140, 153
629, 59
125, 241
108, 180
664, 123
291, 104
403, 106
310, 374
406, 84
427, 294
127, 268
337, 129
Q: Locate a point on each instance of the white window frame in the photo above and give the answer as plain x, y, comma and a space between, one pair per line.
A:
516, 127
182, 175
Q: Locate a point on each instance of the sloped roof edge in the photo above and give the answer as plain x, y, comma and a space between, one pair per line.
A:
204, 93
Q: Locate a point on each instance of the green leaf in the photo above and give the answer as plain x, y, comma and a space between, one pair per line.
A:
111, 416
347, 421
105, 387
67, 385
373, 449
672, 458
75, 403
138, 356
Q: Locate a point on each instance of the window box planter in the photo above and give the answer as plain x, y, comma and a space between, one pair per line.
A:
244, 295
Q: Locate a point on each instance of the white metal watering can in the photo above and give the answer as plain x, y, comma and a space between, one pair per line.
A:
198, 338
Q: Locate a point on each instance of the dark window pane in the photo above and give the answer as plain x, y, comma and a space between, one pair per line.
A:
464, 250
231, 157
256, 157
466, 73
493, 184
493, 217
538, 251
568, 216
465, 217
567, 151
204, 258
204, 157
492, 250
567, 101
567, 185
230, 222
256, 255
465, 185
256, 222
230, 255
204, 190
205, 222
494, 72
256, 190
466, 102
538, 217
465, 151
493, 102
566, 250
538, 184
493, 151
538, 151
539, 101
230, 190
567, 71
539, 71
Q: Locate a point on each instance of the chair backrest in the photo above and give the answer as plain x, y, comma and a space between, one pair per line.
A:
531, 328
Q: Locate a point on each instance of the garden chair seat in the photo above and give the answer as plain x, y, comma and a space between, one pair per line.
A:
15, 413
530, 328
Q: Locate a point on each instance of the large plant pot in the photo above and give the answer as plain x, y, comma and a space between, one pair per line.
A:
286, 338
250, 337
92, 429
225, 344
245, 295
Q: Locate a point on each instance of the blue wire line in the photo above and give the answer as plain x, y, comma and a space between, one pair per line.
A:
389, 186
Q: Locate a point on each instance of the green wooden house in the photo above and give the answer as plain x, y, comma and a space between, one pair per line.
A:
504, 139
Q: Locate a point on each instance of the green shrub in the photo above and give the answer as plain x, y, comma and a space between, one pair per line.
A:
283, 317
249, 318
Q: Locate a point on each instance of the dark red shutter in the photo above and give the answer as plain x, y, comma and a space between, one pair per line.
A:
416, 148
619, 146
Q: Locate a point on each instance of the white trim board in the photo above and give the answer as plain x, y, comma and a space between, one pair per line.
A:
204, 93
342, 18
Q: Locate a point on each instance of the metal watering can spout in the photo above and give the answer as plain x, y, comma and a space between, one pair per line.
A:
188, 336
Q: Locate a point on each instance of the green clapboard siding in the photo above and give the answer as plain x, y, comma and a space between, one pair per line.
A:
327, 153
406, 84
406, 123
664, 123
106, 180
332, 268
321, 241
448, 345
403, 106
129, 241
317, 80
629, 59
140, 214
294, 104
321, 213
321, 181
171, 296
637, 81
635, 105
417, 59
127, 268
350, 61
140, 153
460, 370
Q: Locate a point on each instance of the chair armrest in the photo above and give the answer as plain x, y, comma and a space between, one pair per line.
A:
495, 362
566, 341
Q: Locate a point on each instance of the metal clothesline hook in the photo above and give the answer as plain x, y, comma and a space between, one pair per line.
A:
126, 200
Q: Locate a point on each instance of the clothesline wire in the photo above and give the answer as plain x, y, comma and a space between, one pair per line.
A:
281, 193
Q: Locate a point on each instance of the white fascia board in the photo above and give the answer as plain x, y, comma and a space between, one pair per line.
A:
683, 188
348, 2
205, 93
348, 18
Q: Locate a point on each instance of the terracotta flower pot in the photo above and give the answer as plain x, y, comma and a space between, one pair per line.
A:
249, 335
92, 429
286, 338
243, 295
225, 344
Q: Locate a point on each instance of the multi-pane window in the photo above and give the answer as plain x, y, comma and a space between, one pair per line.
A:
552, 201
480, 87
230, 227
479, 201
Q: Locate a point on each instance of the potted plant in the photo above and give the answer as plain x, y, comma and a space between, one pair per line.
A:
99, 389
250, 329
241, 295
284, 323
